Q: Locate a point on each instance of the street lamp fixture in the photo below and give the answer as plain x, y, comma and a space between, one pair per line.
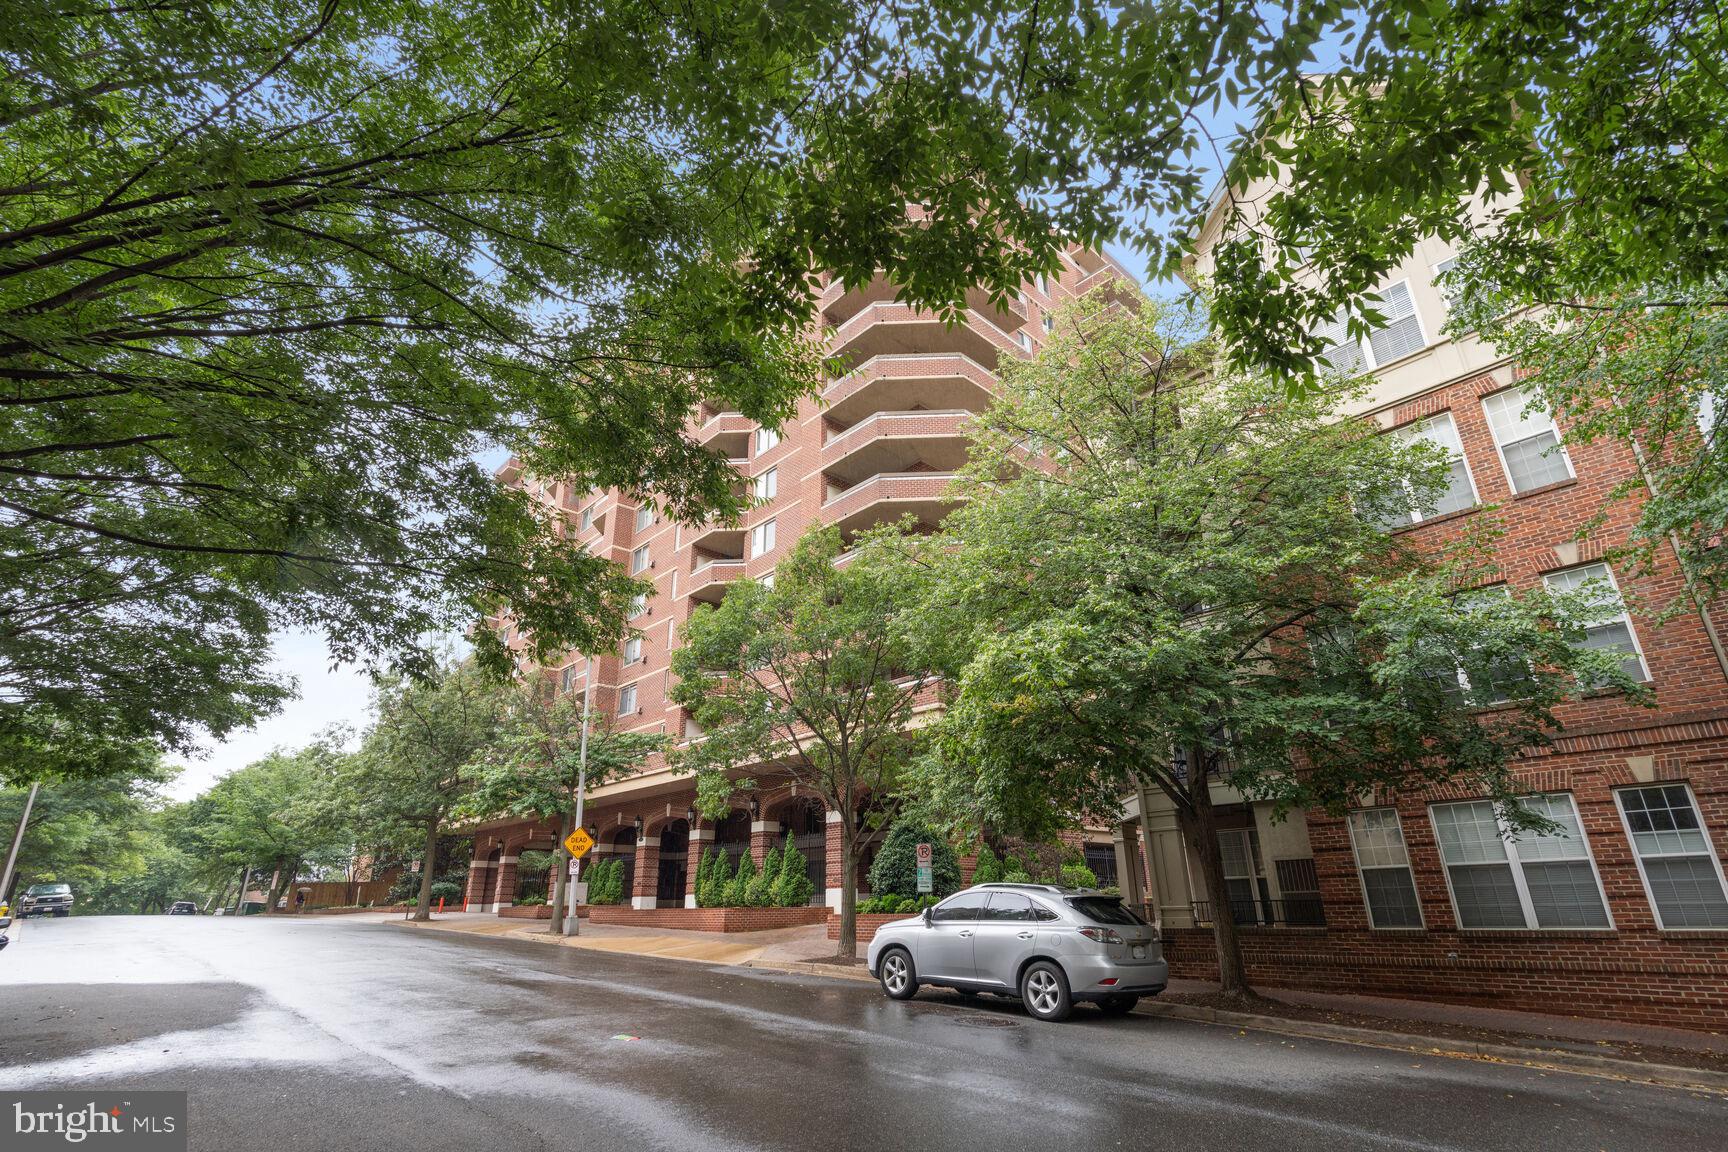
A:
690, 815
755, 807
637, 824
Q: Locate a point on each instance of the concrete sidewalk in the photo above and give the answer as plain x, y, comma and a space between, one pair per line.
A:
778, 946
1578, 1032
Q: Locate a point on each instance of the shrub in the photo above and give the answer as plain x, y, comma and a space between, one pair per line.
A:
989, 867
1016, 876
906, 906
793, 887
445, 890
531, 902
1078, 876
738, 888
606, 882
896, 866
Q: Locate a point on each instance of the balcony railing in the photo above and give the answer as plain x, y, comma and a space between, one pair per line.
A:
921, 425
708, 583
897, 488
1290, 912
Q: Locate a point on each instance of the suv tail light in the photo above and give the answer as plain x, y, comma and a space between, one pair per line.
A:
1102, 935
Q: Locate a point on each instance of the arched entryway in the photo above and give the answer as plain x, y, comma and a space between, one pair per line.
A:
674, 864
481, 885
624, 848
806, 818
732, 838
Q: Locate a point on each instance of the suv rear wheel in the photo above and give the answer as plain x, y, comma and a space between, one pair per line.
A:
1044, 990
899, 982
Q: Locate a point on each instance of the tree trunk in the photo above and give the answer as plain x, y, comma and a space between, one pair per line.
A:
280, 884
562, 874
428, 865
1202, 831
848, 886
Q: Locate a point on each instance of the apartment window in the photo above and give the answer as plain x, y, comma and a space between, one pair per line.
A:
633, 650
1611, 628
762, 538
1707, 414
1023, 340
627, 700
1049, 323
1402, 333
639, 560
1525, 881
766, 438
1460, 491
1341, 351
587, 518
567, 680
1528, 441
1450, 290
1488, 680
767, 580
1043, 283
1681, 872
644, 517
1244, 876
767, 485
1388, 885
638, 605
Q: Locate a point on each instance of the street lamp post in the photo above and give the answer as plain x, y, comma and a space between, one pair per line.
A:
572, 923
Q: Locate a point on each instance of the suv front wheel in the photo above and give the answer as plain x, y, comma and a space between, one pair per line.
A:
1044, 991
899, 982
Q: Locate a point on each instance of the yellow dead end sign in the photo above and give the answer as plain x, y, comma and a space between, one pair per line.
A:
578, 843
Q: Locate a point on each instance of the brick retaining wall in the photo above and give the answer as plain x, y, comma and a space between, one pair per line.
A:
1618, 976
866, 926
709, 919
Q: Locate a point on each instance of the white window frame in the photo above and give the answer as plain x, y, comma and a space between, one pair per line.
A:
638, 605
644, 517
765, 485
1500, 448
1705, 414
639, 562
763, 538
1338, 331
1449, 296
1049, 322
766, 580
1703, 828
567, 679
586, 518
627, 700
633, 651
1517, 866
1361, 870
1624, 616
1412, 431
1023, 340
766, 440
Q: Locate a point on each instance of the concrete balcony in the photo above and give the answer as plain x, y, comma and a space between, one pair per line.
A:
895, 442
727, 433
951, 382
719, 538
889, 496
708, 583
838, 304
888, 329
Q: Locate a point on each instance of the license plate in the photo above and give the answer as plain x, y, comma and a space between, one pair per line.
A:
1139, 952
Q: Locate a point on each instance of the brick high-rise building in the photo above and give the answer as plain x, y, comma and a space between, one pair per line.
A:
1419, 893
882, 441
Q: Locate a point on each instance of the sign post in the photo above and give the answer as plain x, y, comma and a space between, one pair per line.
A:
926, 871
573, 926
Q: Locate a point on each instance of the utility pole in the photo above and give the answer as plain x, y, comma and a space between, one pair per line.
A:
245, 878
573, 924
24, 822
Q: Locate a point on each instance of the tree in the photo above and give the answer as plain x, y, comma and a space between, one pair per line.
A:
274, 816
418, 762
88, 833
1187, 586
1594, 133
808, 680
895, 869
530, 768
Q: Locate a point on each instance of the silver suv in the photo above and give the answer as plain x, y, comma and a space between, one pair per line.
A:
1050, 946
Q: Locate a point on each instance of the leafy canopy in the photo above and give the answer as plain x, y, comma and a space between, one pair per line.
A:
1190, 566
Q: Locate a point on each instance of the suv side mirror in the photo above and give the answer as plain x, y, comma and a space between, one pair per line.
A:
927, 918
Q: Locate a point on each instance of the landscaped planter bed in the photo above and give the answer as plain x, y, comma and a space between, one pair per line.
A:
709, 919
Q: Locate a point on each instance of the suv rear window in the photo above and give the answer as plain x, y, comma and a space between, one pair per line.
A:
1103, 910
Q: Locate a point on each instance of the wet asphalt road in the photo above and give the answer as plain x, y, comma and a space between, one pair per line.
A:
325, 1035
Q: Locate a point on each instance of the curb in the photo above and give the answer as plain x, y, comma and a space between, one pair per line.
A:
1547, 1059
801, 968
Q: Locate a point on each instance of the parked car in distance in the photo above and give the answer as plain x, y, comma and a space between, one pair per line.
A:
1050, 946
183, 908
46, 900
